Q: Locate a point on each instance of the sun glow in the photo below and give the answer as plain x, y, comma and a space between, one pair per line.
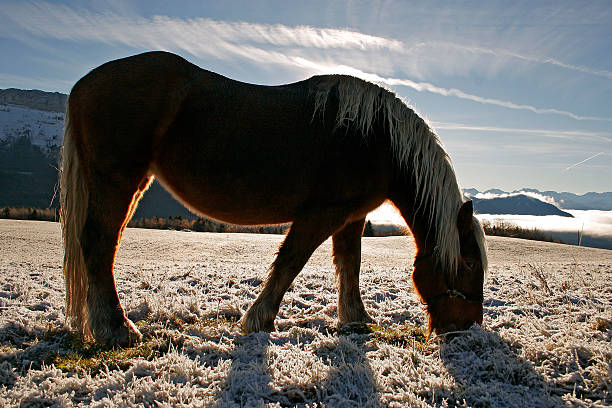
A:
386, 214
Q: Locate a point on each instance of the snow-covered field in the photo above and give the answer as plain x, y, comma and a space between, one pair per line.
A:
546, 339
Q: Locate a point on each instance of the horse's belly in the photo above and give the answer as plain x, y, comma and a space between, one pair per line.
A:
233, 199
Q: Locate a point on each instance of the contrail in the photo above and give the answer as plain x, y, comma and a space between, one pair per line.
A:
585, 160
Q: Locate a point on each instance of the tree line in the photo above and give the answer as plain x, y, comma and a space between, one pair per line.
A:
179, 223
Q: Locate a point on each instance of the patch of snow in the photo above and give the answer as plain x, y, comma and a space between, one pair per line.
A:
42, 128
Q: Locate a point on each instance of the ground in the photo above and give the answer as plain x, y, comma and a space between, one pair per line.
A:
545, 339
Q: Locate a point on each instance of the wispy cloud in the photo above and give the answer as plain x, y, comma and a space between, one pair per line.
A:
63, 22
260, 43
428, 87
425, 86
562, 134
499, 52
532, 194
282, 35
579, 68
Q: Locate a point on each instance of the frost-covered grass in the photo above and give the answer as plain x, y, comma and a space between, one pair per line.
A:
545, 341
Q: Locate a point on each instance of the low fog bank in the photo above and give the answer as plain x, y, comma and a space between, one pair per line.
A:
592, 228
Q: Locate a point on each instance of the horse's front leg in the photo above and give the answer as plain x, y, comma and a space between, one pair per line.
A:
303, 238
347, 258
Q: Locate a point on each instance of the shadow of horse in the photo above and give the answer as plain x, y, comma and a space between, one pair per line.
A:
490, 373
483, 370
261, 371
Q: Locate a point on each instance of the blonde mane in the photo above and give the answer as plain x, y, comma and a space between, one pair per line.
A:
417, 151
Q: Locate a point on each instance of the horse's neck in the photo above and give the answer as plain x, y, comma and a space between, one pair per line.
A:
418, 219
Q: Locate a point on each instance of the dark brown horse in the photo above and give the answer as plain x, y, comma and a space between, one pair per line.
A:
320, 153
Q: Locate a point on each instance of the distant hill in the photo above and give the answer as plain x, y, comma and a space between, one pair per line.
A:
564, 200
516, 204
34, 99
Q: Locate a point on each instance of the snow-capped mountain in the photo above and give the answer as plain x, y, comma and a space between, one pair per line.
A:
33, 115
31, 128
42, 129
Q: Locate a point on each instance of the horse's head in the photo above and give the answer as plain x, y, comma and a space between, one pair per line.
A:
454, 301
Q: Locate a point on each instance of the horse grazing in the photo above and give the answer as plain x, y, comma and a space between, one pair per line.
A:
321, 153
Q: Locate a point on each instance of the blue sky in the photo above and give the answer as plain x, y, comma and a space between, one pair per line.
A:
519, 92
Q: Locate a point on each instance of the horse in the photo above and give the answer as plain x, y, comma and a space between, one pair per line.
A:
319, 154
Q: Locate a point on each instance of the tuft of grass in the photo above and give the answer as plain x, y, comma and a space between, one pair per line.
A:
405, 336
346, 329
538, 272
602, 325
93, 358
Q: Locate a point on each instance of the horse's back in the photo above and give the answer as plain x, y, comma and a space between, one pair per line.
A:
252, 154
141, 78
142, 70
222, 146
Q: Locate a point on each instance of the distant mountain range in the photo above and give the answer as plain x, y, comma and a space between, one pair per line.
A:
516, 204
31, 126
564, 200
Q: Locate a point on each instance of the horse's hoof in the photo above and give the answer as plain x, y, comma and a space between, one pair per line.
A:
355, 328
124, 335
251, 324
367, 319
361, 318
132, 335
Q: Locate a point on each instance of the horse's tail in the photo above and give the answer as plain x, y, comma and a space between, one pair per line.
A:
73, 213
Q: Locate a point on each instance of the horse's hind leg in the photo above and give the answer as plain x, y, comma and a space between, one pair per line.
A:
347, 258
110, 206
303, 238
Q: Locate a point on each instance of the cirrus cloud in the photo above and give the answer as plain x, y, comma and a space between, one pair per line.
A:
313, 49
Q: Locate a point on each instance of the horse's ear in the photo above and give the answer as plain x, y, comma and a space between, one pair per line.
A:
465, 219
